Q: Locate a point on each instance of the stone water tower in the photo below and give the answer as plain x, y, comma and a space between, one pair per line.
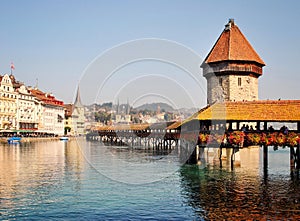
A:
232, 68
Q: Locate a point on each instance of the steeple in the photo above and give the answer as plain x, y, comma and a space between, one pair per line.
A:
118, 107
77, 102
127, 107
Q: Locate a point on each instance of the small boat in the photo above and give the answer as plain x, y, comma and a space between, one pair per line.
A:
13, 140
64, 138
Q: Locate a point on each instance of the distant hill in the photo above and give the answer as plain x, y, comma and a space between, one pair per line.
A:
154, 107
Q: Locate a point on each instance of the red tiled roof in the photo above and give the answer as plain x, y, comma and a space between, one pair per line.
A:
232, 45
46, 98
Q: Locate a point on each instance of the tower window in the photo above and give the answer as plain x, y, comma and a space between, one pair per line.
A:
239, 81
220, 81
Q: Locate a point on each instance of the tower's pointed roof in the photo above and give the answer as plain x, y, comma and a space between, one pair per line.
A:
77, 102
232, 45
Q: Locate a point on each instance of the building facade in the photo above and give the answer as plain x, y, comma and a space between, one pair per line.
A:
50, 113
75, 117
26, 114
8, 105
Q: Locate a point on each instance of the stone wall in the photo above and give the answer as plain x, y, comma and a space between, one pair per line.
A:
232, 88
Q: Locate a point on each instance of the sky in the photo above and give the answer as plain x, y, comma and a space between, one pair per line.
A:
54, 43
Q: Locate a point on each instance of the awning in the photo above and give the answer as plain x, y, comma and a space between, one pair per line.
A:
25, 131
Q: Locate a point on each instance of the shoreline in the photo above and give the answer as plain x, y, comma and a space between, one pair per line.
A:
3, 140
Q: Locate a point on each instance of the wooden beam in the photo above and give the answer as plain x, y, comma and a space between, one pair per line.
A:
265, 125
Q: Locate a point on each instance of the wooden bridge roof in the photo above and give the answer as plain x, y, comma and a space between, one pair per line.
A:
143, 126
123, 127
264, 110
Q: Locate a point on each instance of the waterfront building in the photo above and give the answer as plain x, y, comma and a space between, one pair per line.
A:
50, 112
232, 67
8, 98
68, 130
75, 117
27, 113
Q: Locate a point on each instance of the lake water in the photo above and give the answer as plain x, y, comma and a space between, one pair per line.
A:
79, 180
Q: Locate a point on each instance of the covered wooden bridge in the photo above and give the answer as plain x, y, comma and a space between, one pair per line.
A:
217, 125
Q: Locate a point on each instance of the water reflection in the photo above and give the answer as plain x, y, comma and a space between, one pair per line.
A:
243, 194
54, 180
34, 172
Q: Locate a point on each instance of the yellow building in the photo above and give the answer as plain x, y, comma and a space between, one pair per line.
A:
8, 98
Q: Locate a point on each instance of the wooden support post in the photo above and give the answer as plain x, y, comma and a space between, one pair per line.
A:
237, 125
230, 126
298, 158
232, 158
265, 157
220, 156
292, 159
258, 125
265, 126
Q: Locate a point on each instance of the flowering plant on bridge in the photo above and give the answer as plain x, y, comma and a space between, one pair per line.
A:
268, 139
215, 139
212, 138
236, 138
272, 139
247, 139
280, 139
252, 139
203, 138
292, 139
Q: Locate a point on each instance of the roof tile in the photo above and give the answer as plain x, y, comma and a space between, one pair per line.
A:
232, 45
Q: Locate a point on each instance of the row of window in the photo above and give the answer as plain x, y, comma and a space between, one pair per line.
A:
239, 81
8, 110
24, 97
6, 88
10, 119
12, 104
8, 95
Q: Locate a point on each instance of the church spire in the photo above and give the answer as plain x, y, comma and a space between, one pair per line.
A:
127, 107
77, 102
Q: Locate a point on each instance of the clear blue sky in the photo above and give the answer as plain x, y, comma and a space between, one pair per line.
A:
55, 40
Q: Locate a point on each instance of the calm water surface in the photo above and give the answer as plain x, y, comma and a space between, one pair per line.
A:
60, 181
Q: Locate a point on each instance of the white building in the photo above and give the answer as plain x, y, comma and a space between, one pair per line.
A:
50, 113
26, 114
74, 117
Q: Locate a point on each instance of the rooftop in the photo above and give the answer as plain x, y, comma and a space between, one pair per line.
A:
232, 45
263, 110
